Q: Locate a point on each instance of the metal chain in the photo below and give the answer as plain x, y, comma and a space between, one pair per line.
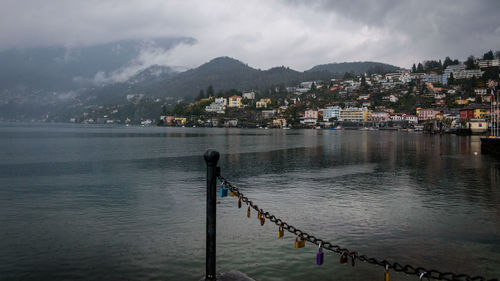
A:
408, 269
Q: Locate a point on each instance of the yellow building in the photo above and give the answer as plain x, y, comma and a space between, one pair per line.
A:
234, 101
262, 103
180, 120
461, 101
481, 113
355, 114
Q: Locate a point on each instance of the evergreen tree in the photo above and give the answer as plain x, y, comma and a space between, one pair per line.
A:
210, 91
420, 68
469, 63
451, 79
413, 68
488, 56
201, 95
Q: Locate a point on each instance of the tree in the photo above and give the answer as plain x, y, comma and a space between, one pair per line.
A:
164, 111
497, 54
413, 68
210, 91
201, 95
313, 86
488, 55
420, 68
448, 61
451, 79
469, 63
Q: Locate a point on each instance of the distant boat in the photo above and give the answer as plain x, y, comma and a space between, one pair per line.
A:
364, 129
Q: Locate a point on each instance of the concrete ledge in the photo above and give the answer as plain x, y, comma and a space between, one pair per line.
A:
232, 275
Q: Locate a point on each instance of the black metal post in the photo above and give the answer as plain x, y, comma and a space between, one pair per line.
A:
211, 158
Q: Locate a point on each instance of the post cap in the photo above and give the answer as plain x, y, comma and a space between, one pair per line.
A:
211, 157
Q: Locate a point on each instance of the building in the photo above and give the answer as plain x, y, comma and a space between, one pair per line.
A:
489, 63
219, 106
412, 119
355, 114
262, 103
481, 112
466, 113
234, 101
279, 122
397, 117
331, 112
381, 116
391, 98
310, 117
427, 114
249, 95
268, 114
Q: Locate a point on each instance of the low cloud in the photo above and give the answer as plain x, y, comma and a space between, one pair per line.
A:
261, 33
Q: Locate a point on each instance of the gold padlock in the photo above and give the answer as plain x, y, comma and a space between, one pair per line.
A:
281, 231
248, 211
299, 243
239, 203
386, 273
262, 219
232, 194
353, 257
258, 215
343, 257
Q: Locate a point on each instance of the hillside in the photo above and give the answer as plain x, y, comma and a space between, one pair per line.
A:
355, 67
227, 73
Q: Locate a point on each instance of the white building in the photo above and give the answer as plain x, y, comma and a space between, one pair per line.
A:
219, 106
331, 112
249, 95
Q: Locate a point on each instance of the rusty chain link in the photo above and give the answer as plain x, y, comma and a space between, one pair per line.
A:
408, 269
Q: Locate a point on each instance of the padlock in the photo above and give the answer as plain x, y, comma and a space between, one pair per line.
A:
248, 211
343, 257
262, 219
232, 194
299, 243
223, 192
353, 257
319, 255
386, 273
281, 231
258, 215
239, 203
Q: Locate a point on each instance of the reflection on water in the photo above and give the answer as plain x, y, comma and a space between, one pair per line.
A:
115, 203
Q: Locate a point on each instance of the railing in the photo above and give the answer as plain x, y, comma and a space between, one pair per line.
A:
213, 173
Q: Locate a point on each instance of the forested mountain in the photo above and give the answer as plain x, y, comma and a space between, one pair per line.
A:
355, 67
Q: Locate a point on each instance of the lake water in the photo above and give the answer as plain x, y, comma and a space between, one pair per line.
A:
128, 203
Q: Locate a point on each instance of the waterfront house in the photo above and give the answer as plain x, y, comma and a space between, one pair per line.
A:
310, 117
397, 117
381, 116
466, 113
355, 114
331, 112
427, 114
412, 119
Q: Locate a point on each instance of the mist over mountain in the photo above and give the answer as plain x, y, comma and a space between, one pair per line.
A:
41, 82
65, 69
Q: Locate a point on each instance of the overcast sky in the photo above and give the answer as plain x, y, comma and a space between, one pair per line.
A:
266, 33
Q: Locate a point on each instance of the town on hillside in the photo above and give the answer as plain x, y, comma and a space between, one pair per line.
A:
433, 95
